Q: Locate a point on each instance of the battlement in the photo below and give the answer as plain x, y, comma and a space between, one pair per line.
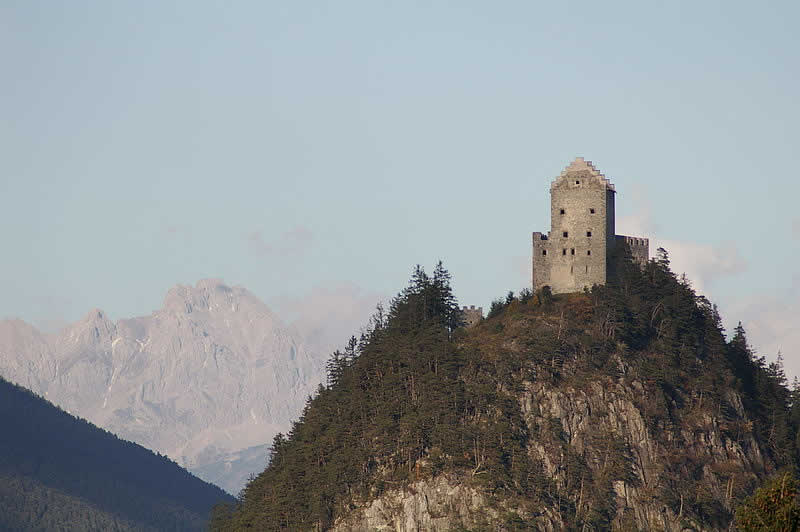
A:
639, 246
471, 315
634, 240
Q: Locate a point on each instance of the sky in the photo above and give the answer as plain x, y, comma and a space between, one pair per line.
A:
314, 152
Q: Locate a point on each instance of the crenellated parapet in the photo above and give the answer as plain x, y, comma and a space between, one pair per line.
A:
639, 247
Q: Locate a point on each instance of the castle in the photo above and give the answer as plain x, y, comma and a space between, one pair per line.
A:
471, 315
574, 254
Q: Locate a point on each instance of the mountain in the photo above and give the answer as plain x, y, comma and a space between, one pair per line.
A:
207, 379
58, 472
624, 407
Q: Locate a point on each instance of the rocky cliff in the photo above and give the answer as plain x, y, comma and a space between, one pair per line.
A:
208, 379
584, 430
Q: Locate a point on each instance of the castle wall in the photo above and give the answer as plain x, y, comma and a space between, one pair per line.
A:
611, 217
542, 256
579, 207
640, 247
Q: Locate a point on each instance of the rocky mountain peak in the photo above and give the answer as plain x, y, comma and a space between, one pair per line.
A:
212, 295
94, 329
209, 375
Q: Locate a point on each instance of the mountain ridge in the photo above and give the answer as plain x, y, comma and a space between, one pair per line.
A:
209, 374
59, 472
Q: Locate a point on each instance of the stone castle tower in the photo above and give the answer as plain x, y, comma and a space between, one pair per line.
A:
574, 254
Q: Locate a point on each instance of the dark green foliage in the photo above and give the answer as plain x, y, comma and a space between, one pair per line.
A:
496, 308
525, 295
420, 397
62, 473
772, 508
394, 399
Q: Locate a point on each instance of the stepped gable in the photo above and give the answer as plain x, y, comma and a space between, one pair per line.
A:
583, 169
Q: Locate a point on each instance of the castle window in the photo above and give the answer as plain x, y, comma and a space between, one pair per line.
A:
588, 233
566, 234
577, 182
588, 251
544, 252
562, 211
564, 251
591, 211
587, 268
572, 251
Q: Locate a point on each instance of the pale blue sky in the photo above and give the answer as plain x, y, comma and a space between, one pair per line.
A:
291, 147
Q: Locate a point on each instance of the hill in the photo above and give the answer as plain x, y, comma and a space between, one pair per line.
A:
624, 407
58, 472
206, 379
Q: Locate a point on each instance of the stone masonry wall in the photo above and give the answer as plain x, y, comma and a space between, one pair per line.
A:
578, 235
542, 254
640, 247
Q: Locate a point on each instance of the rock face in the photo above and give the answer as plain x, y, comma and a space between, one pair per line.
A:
590, 422
441, 503
207, 380
587, 423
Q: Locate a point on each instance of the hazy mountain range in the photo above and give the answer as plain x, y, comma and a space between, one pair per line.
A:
208, 379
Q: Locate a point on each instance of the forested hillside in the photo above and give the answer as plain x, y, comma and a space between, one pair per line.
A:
58, 472
623, 407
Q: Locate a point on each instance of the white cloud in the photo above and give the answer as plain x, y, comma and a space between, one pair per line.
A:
773, 326
702, 263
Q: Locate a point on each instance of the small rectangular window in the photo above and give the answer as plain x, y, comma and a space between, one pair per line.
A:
544, 252
588, 251
572, 251
577, 182
564, 251
591, 211
562, 211
588, 233
566, 234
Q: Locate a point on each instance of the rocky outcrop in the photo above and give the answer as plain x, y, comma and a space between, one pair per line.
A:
597, 422
437, 504
594, 430
208, 379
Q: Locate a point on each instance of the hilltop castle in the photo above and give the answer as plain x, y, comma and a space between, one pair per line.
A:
574, 254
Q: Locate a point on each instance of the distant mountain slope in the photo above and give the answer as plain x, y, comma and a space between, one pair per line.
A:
210, 374
58, 472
